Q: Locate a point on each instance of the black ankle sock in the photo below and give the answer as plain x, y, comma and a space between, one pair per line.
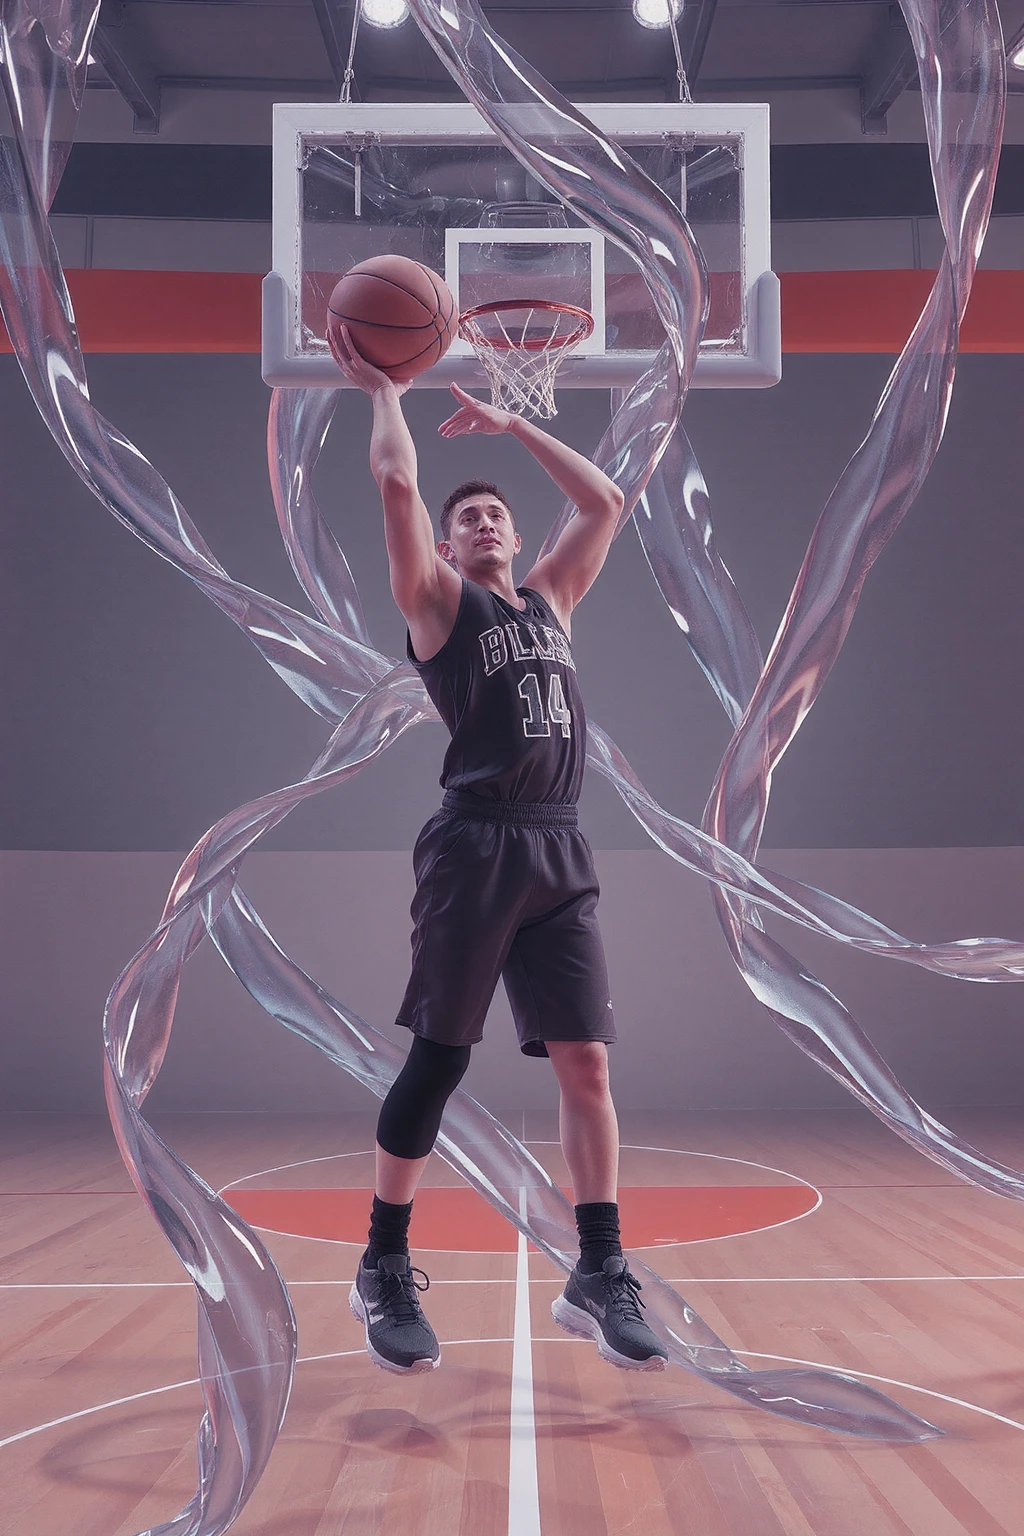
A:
389, 1230
598, 1226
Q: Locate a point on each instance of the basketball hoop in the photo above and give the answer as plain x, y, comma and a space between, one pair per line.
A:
521, 344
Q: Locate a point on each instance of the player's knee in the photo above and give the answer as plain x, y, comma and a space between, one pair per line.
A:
441, 1068
436, 1070
582, 1068
410, 1116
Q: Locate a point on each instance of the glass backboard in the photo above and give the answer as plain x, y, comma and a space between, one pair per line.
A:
353, 180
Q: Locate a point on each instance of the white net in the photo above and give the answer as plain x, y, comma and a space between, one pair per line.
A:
521, 344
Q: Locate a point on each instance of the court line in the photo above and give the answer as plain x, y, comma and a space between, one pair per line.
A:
816, 1279
717, 1157
117, 1402
687, 1280
193, 1381
889, 1381
303, 1162
523, 1488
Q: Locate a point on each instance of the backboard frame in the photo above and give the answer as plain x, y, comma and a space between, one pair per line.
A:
297, 125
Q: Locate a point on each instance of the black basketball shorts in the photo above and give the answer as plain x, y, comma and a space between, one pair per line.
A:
506, 889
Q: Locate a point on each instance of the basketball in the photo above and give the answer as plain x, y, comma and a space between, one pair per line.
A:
400, 315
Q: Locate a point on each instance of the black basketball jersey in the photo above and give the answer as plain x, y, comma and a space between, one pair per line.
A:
504, 683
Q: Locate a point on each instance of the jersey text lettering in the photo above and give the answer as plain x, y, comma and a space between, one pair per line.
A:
543, 643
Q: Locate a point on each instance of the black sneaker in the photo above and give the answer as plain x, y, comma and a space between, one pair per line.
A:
605, 1306
398, 1336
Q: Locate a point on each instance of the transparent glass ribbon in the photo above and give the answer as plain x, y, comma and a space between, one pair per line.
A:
247, 1343
959, 49
960, 53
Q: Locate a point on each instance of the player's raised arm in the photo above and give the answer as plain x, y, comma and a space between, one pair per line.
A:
566, 574
426, 589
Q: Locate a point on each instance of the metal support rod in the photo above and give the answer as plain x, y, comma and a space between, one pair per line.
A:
350, 74
684, 84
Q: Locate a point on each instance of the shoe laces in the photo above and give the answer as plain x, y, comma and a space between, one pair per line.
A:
624, 1294
398, 1293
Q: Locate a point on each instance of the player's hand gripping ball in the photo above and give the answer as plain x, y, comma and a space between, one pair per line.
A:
399, 315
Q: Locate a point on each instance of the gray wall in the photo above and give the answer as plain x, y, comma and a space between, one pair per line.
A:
141, 715
690, 1032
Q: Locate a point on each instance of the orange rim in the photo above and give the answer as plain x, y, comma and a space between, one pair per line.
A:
472, 333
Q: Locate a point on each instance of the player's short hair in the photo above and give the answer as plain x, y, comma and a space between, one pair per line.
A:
460, 493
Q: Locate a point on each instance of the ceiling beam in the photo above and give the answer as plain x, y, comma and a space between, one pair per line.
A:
890, 68
757, 88
130, 73
742, 88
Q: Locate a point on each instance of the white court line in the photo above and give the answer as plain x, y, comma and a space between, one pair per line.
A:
717, 1157
909, 1386
687, 1280
83, 1413
889, 1381
523, 1491
193, 1381
818, 1279
303, 1162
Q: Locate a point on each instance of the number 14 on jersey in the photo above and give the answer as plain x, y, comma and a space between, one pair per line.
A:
538, 720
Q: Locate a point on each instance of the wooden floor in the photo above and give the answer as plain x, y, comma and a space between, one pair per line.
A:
897, 1274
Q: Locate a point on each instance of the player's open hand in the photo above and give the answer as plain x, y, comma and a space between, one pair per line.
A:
474, 416
355, 367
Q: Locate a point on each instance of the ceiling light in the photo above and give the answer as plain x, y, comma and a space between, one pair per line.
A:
1015, 50
385, 13
655, 13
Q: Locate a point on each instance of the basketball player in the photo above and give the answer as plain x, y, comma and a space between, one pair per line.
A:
505, 881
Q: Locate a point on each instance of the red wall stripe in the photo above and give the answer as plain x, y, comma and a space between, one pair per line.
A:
121, 311
876, 311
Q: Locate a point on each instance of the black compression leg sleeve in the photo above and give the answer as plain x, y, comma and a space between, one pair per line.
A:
411, 1114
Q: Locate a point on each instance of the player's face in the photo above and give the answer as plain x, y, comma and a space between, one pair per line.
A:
482, 536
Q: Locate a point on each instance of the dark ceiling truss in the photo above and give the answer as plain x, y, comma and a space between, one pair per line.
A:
128, 68
891, 67
644, 86
412, 88
130, 73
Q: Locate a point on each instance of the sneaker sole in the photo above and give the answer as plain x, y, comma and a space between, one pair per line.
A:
574, 1320
414, 1368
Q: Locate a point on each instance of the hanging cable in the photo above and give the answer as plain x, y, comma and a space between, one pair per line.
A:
673, 22
350, 74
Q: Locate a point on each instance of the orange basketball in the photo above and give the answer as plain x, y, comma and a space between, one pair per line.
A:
400, 315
